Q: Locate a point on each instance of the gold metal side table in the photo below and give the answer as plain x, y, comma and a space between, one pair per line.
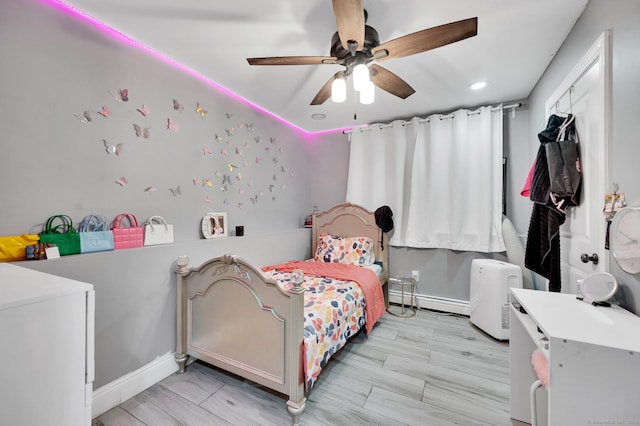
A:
407, 285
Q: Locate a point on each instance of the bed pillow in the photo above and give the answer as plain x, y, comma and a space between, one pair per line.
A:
350, 250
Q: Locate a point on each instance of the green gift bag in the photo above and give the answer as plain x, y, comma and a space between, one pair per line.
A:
63, 235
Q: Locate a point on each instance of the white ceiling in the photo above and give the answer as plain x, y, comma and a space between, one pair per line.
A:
516, 41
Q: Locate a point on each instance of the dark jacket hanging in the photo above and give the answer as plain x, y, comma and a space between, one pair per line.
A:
542, 254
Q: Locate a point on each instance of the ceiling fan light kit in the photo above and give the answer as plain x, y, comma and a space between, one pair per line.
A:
356, 45
339, 90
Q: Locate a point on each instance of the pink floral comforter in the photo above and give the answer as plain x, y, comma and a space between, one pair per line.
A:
334, 308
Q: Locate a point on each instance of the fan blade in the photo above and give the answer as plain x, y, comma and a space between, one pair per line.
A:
428, 39
389, 82
350, 21
325, 91
293, 60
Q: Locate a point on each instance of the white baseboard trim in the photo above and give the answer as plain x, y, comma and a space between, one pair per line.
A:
431, 302
114, 393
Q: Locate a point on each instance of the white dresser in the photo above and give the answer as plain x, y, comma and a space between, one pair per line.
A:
47, 355
593, 354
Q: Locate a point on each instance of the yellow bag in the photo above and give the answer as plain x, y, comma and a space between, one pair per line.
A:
13, 248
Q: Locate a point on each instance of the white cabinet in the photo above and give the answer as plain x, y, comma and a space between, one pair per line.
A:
47, 335
593, 355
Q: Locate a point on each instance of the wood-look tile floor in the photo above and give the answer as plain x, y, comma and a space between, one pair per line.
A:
430, 369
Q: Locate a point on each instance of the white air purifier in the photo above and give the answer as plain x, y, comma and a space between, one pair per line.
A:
490, 295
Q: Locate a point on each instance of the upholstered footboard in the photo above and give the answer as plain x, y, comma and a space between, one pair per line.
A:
231, 316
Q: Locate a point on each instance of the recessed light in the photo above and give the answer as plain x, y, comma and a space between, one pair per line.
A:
478, 85
318, 116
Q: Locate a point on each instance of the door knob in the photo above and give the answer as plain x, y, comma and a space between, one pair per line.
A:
586, 258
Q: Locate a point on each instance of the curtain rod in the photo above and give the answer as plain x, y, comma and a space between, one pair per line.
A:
424, 120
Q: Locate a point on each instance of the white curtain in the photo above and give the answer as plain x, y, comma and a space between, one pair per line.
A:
441, 176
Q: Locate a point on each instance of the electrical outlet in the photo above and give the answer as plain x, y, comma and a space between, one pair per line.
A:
415, 275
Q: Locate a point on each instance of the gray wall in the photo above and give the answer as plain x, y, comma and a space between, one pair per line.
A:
622, 17
55, 65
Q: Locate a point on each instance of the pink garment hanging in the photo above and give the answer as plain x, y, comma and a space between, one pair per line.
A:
526, 189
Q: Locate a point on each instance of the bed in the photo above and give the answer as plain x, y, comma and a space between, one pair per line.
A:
258, 323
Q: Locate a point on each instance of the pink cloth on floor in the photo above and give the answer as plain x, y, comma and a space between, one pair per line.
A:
366, 279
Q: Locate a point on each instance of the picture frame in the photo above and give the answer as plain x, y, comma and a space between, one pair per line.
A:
215, 225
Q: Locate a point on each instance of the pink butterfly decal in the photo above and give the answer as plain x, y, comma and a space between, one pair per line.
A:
144, 110
121, 95
200, 110
240, 191
223, 151
206, 150
245, 163
258, 159
238, 151
142, 132
105, 112
85, 117
196, 181
172, 125
122, 181
239, 125
207, 200
281, 150
177, 106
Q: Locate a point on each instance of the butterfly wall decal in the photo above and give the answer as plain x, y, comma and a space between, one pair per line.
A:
229, 131
150, 189
258, 139
249, 127
105, 111
223, 188
273, 140
176, 191
271, 186
142, 132
254, 199
223, 151
239, 176
226, 179
144, 110
206, 150
245, 163
275, 160
229, 116
241, 191
122, 181
177, 106
283, 169
85, 117
120, 95
207, 199
238, 151
207, 182
172, 125
232, 166
111, 149
200, 110
218, 138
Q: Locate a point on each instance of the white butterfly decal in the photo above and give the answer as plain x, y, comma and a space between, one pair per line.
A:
176, 191
149, 189
85, 117
117, 149
142, 132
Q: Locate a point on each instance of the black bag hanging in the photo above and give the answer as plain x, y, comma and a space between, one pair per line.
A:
384, 220
565, 174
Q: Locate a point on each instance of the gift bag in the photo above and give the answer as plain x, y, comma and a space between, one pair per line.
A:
63, 235
14, 247
127, 237
95, 234
157, 233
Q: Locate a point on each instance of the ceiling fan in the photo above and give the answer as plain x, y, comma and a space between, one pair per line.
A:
356, 43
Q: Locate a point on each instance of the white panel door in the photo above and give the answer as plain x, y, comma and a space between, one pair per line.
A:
586, 93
